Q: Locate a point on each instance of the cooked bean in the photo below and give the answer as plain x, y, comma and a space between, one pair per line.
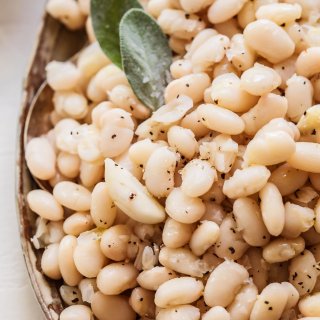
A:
183, 208
293, 295
69, 272
191, 6
192, 85
178, 291
182, 260
116, 278
216, 313
249, 221
272, 209
269, 106
72, 196
220, 119
76, 312
101, 303
70, 295
114, 242
87, 287
288, 179
298, 87
77, 223
91, 173
243, 302
269, 148
175, 23
142, 302
310, 305
41, 158
180, 68
193, 122
131, 196
246, 181
221, 11
45, 205
151, 279
223, 284
49, 261
176, 234
87, 255
68, 164
159, 172
268, 40
204, 237
210, 52
306, 157
303, 273
197, 178
298, 219
280, 13
307, 63
154, 7
259, 80
226, 91
281, 249
183, 140
270, 303
187, 312
230, 244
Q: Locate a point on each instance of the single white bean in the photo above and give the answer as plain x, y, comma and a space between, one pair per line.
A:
183, 208
76, 312
223, 284
49, 261
310, 305
41, 158
72, 196
246, 181
178, 291
187, 312
45, 205
216, 313
142, 302
307, 63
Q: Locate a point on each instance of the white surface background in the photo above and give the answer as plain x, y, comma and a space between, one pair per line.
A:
19, 24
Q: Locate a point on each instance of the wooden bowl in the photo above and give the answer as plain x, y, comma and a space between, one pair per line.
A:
54, 42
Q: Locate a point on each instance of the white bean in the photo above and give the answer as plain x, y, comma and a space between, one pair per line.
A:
142, 302
216, 313
223, 284
76, 312
182, 260
246, 181
187, 312
249, 221
243, 302
303, 273
151, 279
176, 234
298, 219
180, 68
91, 173
183, 208
307, 63
41, 158
131, 196
68, 164
259, 80
197, 178
192, 85
100, 303
269, 106
272, 208
49, 261
72, 196
220, 119
69, 272
159, 172
270, 303
178, 291
281, 249
306, 157
45, 205
227, 92
116, 278
310, 305
269, 40
204, 237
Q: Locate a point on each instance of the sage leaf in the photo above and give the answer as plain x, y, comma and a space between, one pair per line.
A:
106, 16
146, 57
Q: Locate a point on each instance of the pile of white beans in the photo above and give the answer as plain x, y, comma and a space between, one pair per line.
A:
207, 208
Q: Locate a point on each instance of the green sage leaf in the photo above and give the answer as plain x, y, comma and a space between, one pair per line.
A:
106, 16
146, 57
